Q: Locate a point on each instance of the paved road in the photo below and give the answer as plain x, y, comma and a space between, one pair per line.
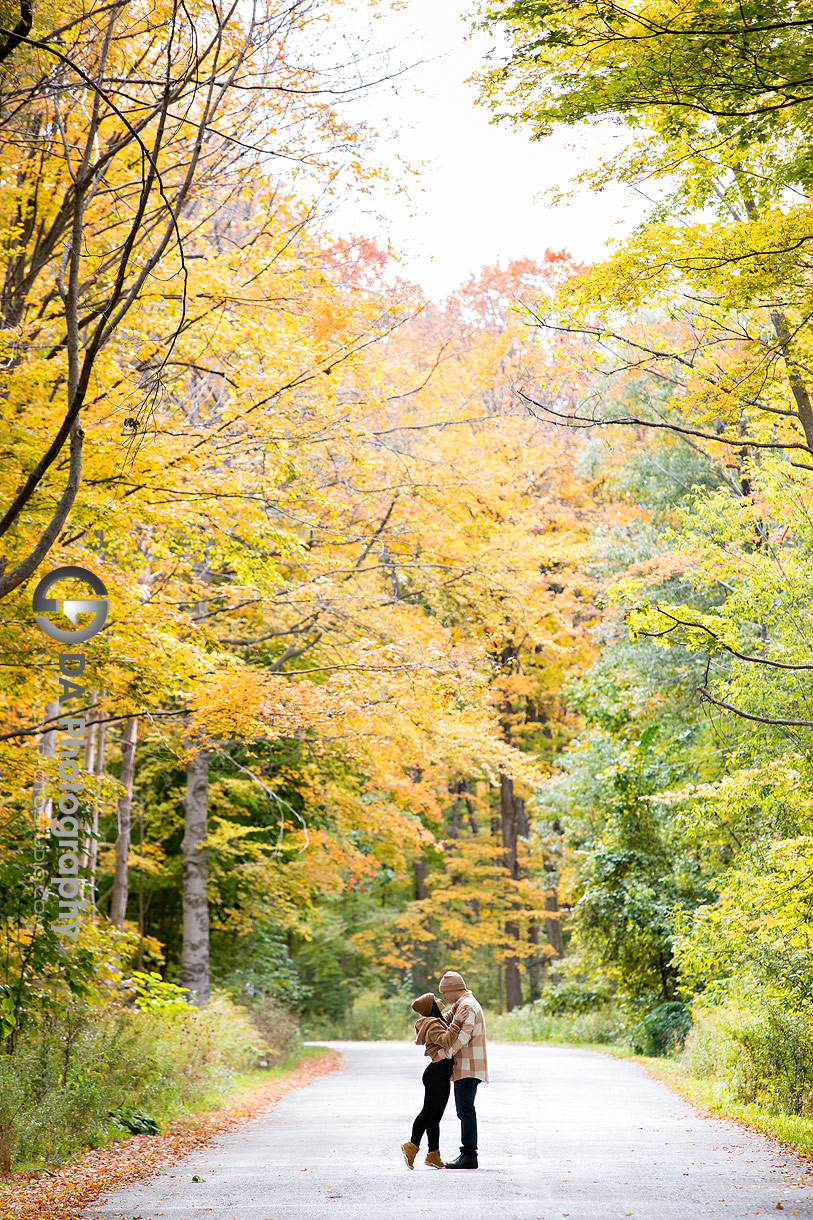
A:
563, 1133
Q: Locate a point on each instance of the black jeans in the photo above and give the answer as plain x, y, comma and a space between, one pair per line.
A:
464, 1092
436, 1084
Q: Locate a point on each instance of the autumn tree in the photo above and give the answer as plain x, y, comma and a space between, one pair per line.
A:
718, 116
114, 172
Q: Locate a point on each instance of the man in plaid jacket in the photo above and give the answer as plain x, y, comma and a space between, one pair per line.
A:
465, 1041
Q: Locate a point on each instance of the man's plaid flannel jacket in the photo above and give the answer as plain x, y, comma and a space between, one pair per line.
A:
465, 1039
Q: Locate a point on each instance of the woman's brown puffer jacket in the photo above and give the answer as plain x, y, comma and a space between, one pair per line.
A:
429, 1028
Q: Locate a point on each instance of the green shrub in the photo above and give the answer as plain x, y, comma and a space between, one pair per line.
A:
572, 996
136, 1124
663, 1030
763, 1052
711, 1050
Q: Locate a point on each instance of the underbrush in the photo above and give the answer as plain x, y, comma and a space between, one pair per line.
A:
92, 1075
759, 1050
568, 1014
280, 1031
372, 1018
534, 1023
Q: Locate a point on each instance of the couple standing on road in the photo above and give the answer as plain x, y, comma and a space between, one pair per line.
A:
456, 1044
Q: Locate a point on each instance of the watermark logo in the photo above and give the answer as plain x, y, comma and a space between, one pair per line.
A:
71, 607
58, 818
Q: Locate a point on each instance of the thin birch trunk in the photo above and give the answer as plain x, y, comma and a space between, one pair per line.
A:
98, 770
47, 749
118, 902
195, 952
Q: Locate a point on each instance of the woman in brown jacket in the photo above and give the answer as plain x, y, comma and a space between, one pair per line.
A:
436, 1082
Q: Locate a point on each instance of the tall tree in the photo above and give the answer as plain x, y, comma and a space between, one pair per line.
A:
195, 854
124, 805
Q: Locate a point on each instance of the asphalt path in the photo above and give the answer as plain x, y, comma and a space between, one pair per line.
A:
563, 1132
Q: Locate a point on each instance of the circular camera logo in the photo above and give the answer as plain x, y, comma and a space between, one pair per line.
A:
71, 607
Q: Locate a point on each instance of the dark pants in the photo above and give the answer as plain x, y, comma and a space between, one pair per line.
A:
436, 1085
464, 1092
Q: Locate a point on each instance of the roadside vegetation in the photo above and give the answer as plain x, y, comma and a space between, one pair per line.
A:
100, 1070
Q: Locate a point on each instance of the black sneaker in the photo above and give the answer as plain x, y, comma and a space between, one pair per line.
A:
464, 1161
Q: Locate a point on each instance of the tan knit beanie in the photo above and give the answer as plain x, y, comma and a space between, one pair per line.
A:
452, 984
423, 1004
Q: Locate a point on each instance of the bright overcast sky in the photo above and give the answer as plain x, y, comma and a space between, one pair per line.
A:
480, 195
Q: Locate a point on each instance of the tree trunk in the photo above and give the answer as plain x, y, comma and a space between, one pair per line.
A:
464, 788
796, 378
141, 885
118, 902
195, 953
87, 766
47, 749
510, 825
535, 968
523, 825
510, 816
513, 981
454, 819
420, 877
98, 771
553, 926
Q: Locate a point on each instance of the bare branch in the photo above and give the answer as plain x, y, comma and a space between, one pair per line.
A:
738, 711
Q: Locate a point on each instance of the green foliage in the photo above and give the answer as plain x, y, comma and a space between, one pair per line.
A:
685, 71
571, 996
372, 1018
633, 872
760, 1050
663, 1030
135, 1123
151, 993
6, 1012
266, 969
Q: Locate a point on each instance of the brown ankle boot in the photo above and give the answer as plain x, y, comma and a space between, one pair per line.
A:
410, 1151
433, 1159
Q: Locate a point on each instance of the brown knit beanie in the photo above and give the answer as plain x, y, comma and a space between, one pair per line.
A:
423, 1004
453, 984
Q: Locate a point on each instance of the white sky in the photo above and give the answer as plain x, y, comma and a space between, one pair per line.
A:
479, 196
